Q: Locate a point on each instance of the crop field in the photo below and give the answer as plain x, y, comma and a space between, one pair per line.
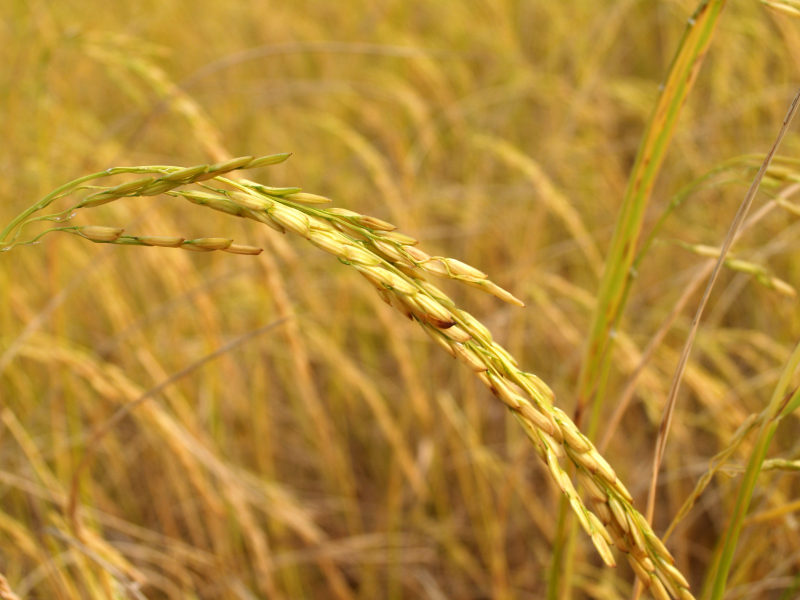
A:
399, 299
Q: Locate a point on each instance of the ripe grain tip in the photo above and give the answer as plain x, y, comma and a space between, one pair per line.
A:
271, 159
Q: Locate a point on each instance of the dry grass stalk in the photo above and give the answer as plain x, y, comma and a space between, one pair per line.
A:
398, 270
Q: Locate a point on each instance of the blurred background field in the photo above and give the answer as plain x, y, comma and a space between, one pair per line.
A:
340, 454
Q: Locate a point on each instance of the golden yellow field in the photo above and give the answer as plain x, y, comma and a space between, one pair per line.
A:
214, 425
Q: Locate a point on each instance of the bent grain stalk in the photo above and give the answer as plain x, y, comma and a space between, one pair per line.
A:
400, 272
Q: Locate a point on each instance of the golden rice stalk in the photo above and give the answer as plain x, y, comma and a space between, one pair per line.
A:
399, 271
382, 256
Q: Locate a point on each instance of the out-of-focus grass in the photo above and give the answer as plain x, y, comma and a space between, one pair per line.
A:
264, 473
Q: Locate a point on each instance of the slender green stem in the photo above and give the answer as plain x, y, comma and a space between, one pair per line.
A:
618, 268
778, 408
47, 200
70, 187
617, 272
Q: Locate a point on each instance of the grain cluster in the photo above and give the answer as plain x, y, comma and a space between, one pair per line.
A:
400, 272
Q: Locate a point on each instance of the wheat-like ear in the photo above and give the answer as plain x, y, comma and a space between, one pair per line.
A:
400, 272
